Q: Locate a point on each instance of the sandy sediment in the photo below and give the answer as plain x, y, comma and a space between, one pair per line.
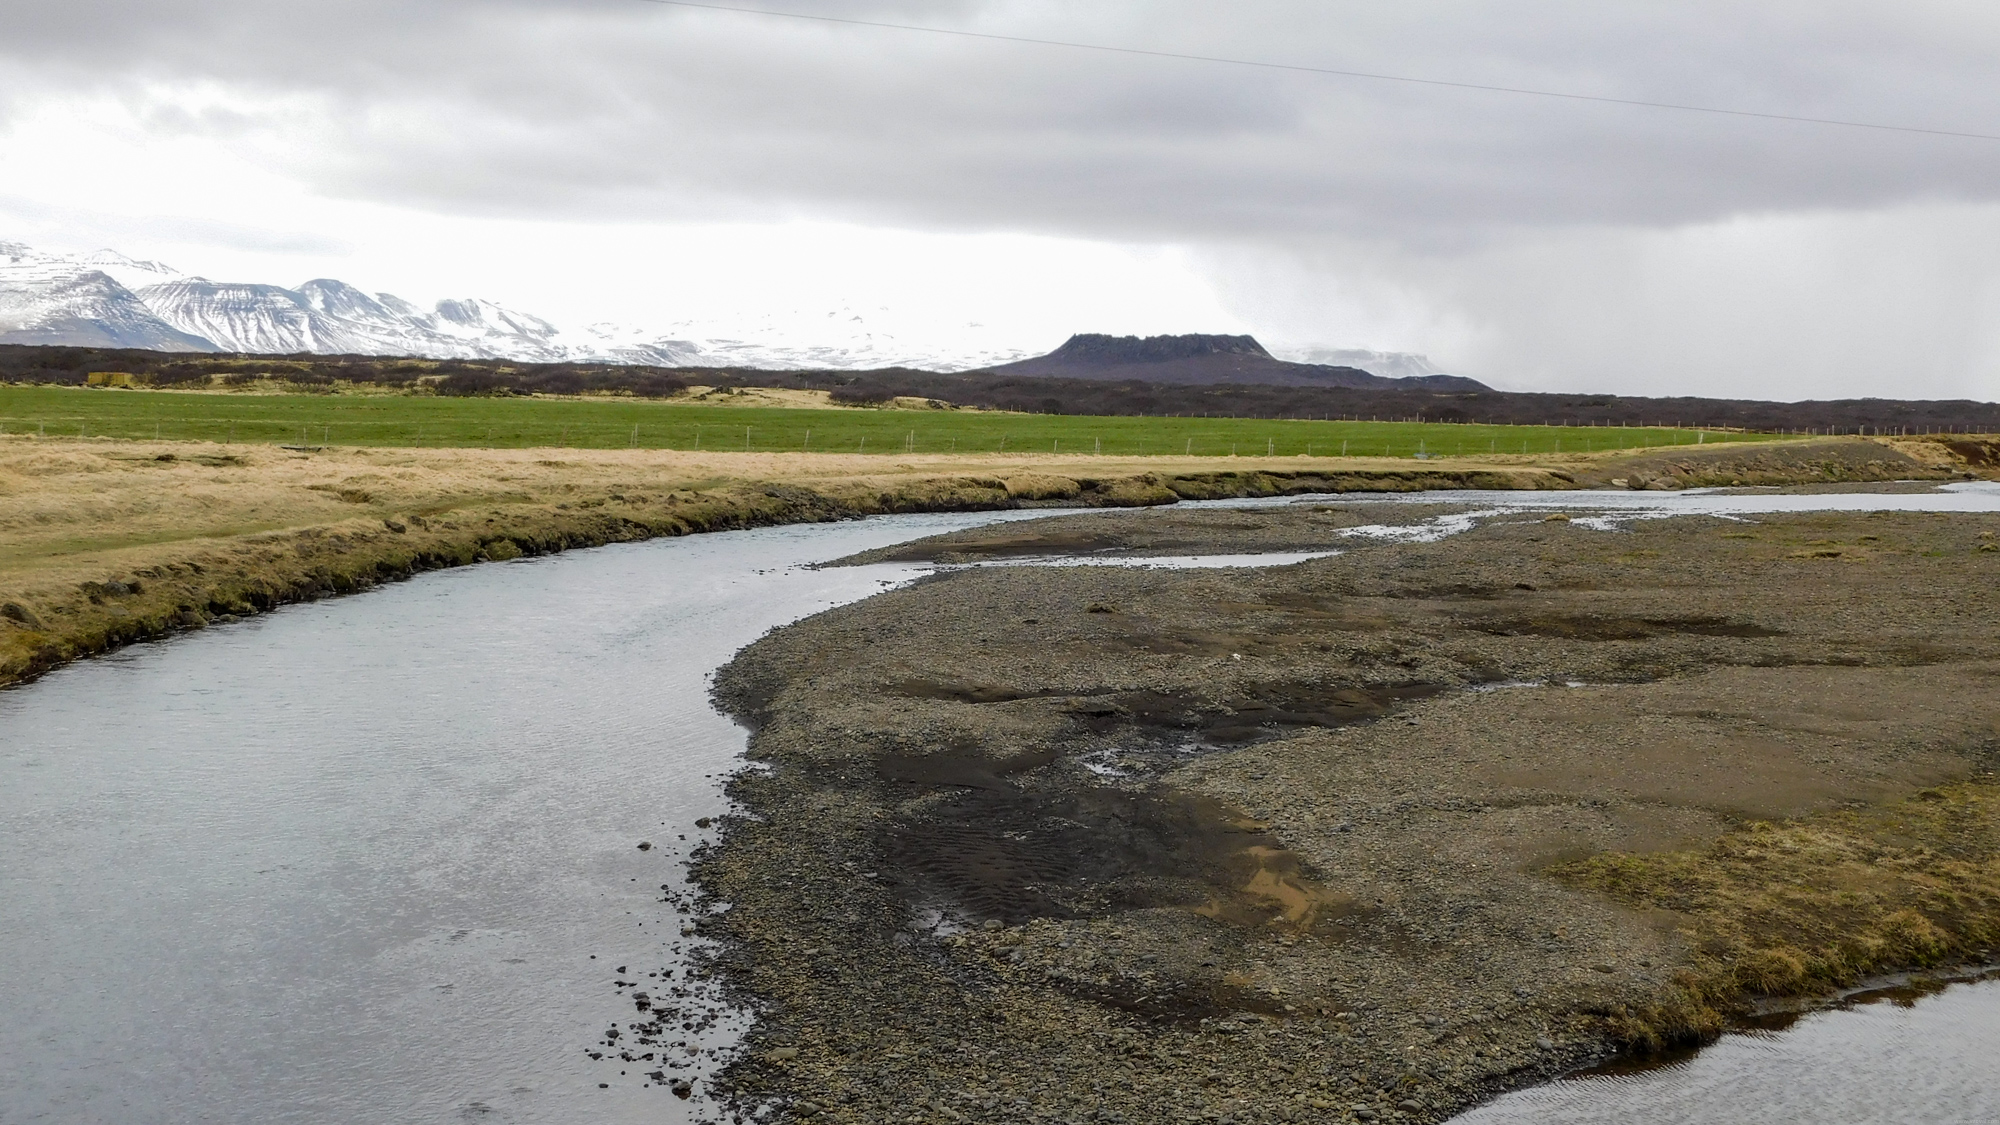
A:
1366, 838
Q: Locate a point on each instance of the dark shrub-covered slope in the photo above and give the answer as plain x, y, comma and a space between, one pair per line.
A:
1000, 391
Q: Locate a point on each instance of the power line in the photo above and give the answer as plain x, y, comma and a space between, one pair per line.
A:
1298, 69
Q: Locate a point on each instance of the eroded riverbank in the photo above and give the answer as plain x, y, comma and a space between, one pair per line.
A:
1920, 1051
103, 543
377, 858
1369, 837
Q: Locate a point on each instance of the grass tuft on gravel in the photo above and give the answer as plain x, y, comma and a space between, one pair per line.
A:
1814, 905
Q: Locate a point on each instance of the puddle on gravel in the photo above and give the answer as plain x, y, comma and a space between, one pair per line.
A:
1593, 509
1426, 531
1608, 510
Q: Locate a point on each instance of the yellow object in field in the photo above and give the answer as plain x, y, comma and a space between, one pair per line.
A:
111, 379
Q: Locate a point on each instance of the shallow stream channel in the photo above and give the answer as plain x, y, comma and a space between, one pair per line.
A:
408, 856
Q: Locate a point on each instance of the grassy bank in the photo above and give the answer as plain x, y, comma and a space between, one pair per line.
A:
1810, 906
105, 541
1435, 961
373, 420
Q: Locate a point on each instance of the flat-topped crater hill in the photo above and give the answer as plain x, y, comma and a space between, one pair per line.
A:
1371, 836
1198, 358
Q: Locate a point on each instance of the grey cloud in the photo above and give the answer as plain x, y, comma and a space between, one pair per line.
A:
116, 230
627, 109
1898, 303
1532, 242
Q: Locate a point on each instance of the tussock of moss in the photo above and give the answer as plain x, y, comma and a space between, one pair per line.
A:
1813, 905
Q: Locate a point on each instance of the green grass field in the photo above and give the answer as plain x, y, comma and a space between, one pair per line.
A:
409, 420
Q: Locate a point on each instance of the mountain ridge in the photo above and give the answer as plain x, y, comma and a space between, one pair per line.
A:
1195, 358
107, 299
85, 306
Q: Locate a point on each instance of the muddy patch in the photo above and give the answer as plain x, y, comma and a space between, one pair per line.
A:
1266, 711
1186, 717
982, 849
1575, 628
959, 771
957, 692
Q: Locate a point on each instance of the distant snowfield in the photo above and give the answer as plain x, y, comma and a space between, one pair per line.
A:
1391, 365
105, 299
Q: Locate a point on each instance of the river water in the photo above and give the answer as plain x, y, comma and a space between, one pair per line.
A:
350, 862
1896, 1059
376, 859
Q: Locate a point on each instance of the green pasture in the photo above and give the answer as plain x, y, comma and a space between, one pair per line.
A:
613, 423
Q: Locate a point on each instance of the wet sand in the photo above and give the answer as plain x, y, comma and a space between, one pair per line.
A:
1371, 837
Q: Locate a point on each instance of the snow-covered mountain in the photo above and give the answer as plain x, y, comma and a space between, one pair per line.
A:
106, 299
333, 317
60, 299
22, 264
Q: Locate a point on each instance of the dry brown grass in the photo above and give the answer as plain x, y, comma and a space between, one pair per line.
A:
202, 529
206, 529
1812, 905
65, 504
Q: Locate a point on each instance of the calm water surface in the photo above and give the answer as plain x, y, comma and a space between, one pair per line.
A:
375, 859
1892, 1061
350, 861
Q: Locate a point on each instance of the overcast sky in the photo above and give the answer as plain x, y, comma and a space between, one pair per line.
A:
628, 160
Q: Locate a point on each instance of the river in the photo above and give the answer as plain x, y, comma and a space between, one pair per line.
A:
1895, 1058
377, 859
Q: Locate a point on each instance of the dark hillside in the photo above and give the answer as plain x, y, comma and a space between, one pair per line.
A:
1197, 359
995, 391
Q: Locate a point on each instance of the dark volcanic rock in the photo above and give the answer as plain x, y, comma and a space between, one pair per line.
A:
1097, 348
